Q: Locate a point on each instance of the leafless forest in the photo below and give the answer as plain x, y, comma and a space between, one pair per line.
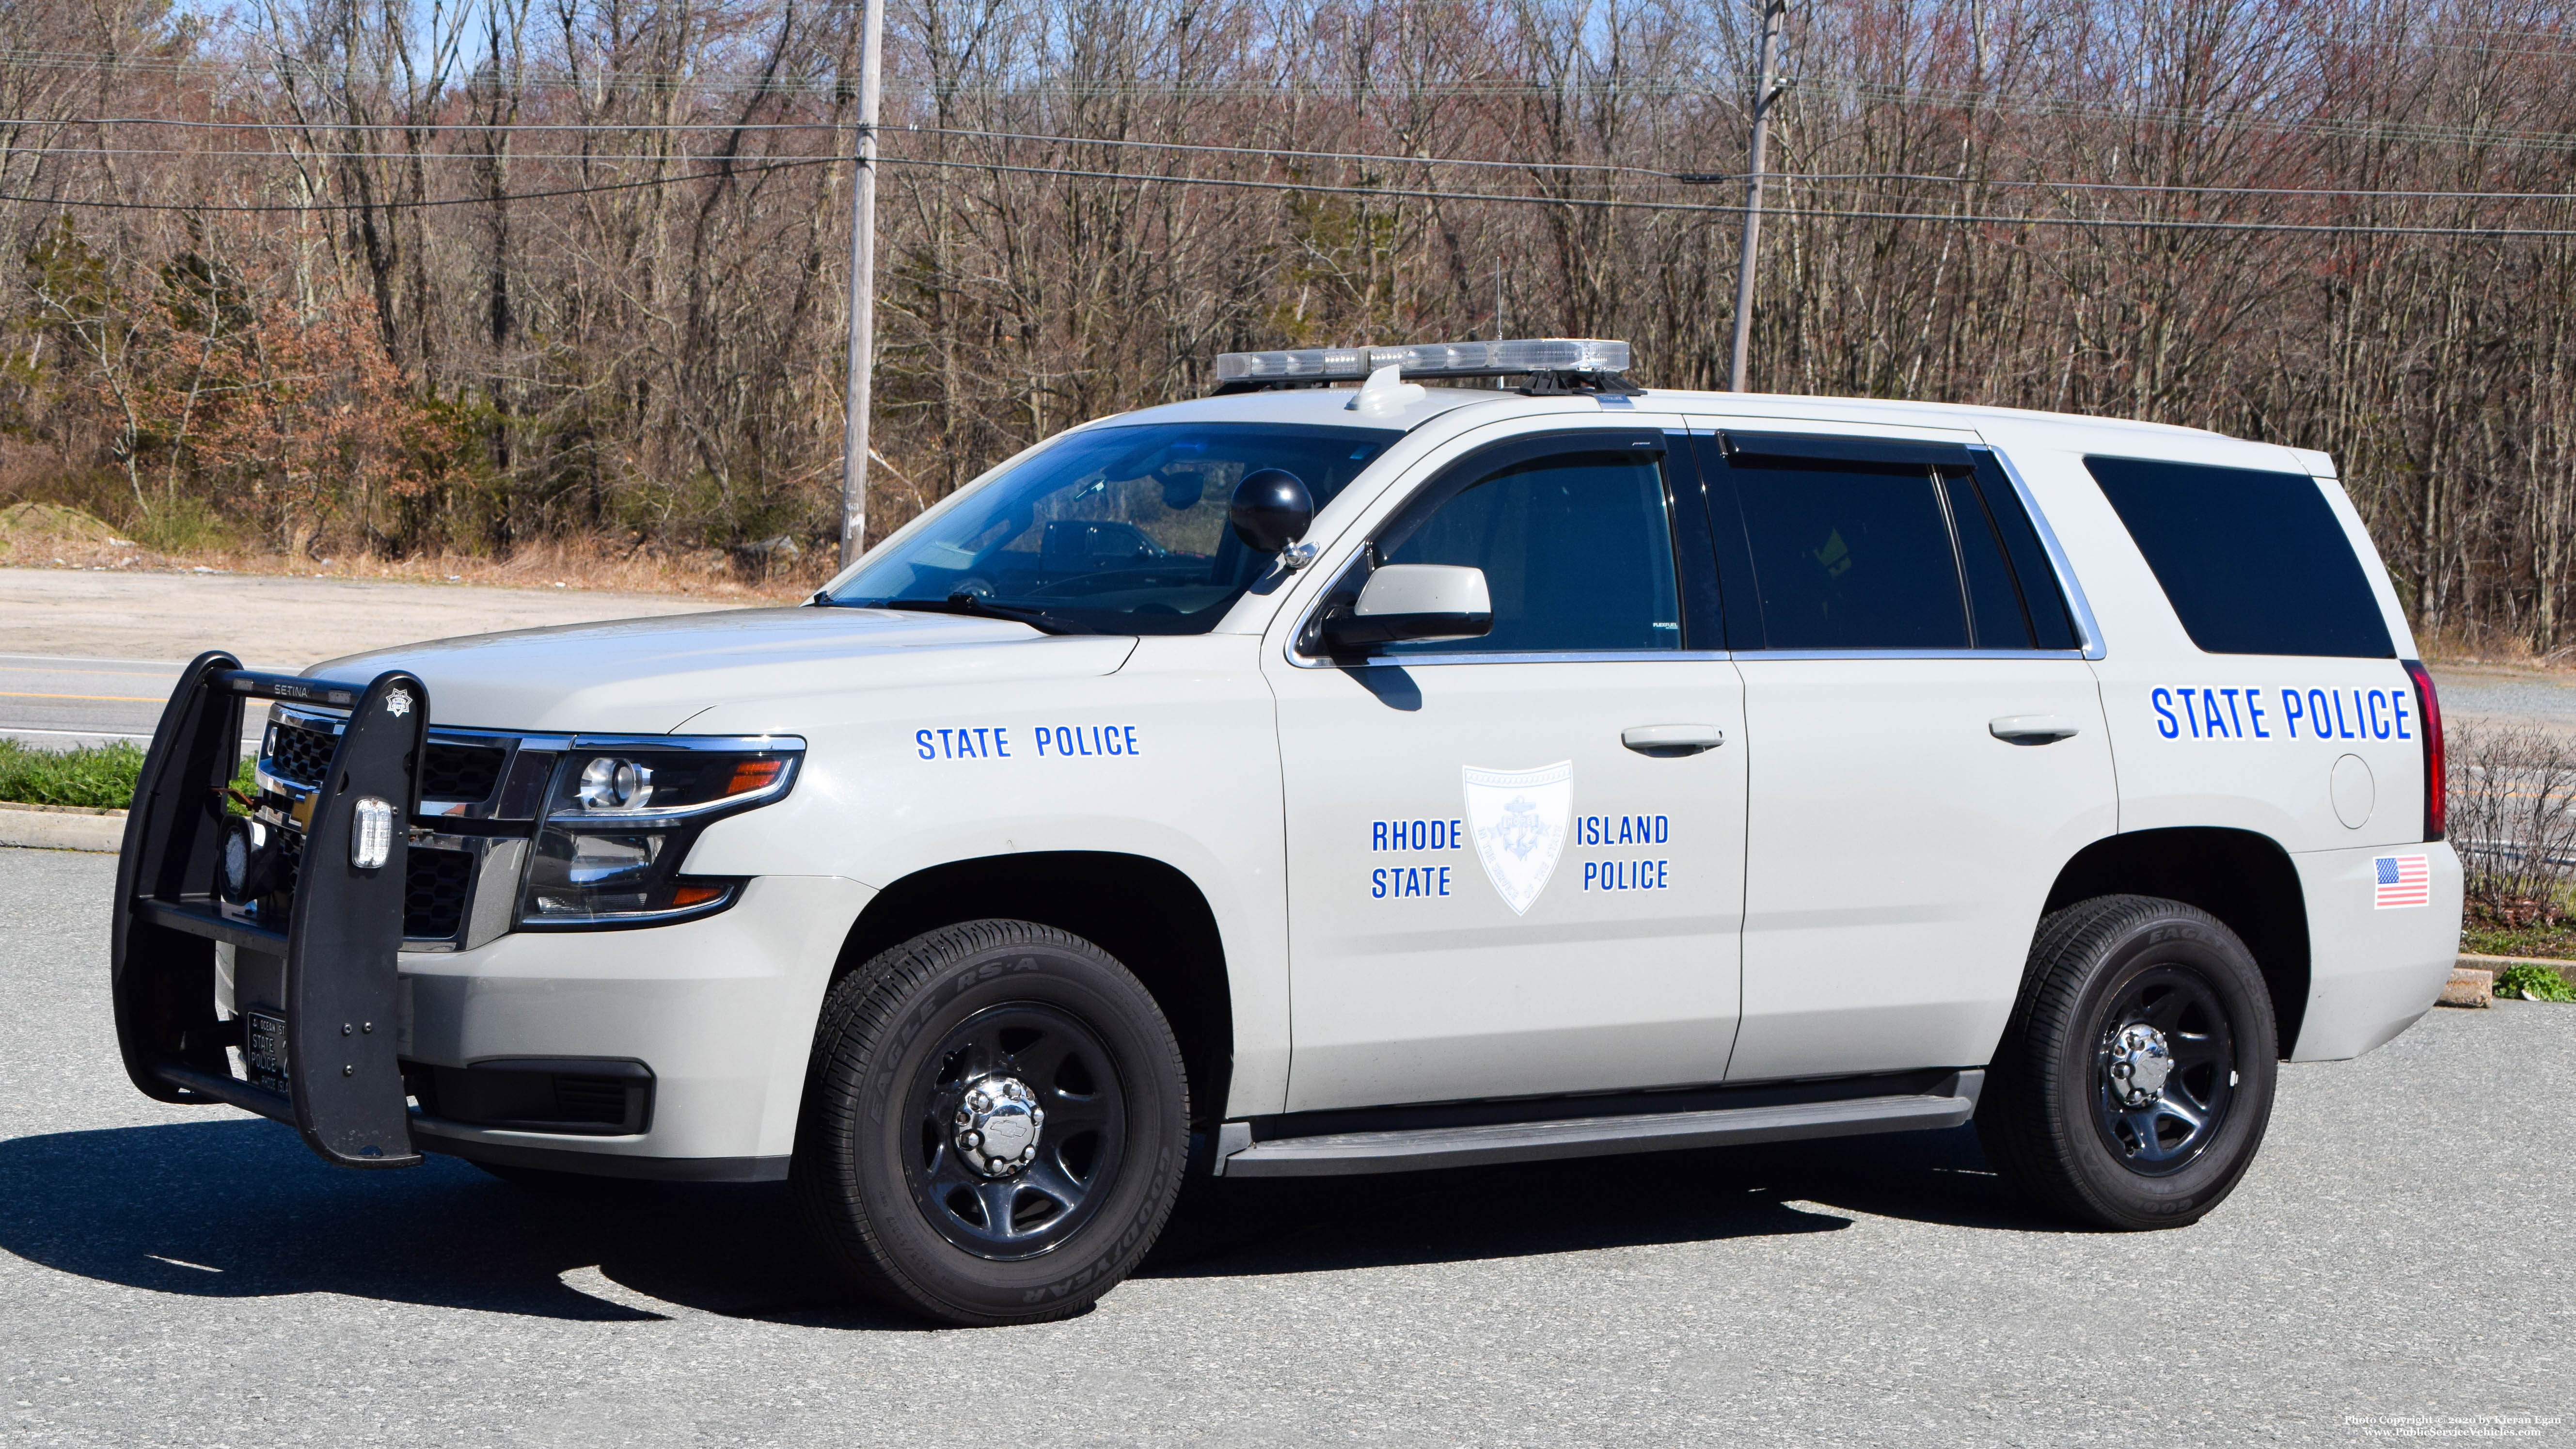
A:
417, 275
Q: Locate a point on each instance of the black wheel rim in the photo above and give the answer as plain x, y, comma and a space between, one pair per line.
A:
1069, 1074
2174, 1125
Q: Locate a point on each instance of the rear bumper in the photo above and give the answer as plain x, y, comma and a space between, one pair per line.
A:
2372, 972
722, 1011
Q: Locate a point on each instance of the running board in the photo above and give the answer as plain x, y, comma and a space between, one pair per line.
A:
1417, 1149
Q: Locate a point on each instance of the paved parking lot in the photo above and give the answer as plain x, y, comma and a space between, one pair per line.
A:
191, 1276
94, 656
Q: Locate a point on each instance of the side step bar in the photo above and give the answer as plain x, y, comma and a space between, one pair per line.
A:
1420, 1148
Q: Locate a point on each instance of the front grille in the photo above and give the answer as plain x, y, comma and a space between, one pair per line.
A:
435, 884
590, 1099
299, 754
461, 772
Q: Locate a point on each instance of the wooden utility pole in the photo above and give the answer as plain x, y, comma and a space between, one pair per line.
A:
1766, 91
863, 292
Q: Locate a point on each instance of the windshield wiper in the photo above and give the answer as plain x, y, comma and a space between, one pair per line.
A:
974, 607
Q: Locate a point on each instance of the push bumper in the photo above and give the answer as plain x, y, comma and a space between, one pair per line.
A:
316, 1035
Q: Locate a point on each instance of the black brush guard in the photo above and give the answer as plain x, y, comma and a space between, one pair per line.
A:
344, 1090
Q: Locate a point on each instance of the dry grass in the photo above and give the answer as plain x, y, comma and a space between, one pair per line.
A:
2513, 820
2491, 650
45, 536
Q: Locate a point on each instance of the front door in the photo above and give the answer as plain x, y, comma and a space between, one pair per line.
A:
1516, 862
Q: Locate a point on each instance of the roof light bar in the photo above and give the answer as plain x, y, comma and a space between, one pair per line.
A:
1427, 359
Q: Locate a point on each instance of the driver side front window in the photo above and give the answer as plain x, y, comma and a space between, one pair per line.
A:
1576, 549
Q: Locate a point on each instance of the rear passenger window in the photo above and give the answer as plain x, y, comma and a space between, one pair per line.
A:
1851, 556
2254, 562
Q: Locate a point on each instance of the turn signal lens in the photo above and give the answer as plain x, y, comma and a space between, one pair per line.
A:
750, 775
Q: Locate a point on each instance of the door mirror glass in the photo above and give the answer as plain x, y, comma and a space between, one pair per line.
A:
1414, 601
1271, 510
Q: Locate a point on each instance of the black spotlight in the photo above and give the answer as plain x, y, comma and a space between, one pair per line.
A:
246, 867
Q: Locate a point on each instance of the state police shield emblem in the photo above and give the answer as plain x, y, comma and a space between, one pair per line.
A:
1518, 820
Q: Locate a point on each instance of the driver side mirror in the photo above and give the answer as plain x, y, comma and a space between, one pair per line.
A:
1413, 601
1270, 510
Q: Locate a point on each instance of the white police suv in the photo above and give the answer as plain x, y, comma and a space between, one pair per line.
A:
1320, 779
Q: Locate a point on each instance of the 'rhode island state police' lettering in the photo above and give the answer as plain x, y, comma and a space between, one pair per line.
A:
2244, 713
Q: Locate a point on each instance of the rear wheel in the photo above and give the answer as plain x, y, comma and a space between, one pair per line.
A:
2135, 1081
995, 1124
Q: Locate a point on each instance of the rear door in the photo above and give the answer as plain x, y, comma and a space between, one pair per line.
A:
1924, 741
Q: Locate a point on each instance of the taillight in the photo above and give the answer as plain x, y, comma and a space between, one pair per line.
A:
2437, 795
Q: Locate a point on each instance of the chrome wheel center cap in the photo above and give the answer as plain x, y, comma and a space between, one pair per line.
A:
997, 1126
2140, 1062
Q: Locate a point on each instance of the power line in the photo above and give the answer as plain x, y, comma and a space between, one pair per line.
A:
394, 205
1382, 193
2338, 127
1271, 152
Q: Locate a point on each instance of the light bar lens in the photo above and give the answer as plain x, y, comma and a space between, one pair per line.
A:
1428, 359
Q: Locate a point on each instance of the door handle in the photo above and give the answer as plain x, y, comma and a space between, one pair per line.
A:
1672, 739
2030, 729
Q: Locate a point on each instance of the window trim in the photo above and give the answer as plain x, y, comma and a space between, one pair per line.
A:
1674, 442
2088, 633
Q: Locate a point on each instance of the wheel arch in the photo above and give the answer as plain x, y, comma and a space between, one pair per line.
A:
2243, 878
1147, 913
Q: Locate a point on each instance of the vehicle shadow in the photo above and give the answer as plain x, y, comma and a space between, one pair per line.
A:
238, 1208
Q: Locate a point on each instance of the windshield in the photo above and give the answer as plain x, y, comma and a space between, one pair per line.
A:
1115, 530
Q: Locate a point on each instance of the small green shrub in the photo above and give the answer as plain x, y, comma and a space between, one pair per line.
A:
2533, 983
95, 775
2549, 942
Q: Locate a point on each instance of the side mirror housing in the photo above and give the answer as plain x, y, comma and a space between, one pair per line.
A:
1270, 510
1413, 601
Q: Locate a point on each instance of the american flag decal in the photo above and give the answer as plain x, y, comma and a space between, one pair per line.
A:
2403, 880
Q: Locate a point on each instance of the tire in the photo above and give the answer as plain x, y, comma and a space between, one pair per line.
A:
2110, 982
1084, 1118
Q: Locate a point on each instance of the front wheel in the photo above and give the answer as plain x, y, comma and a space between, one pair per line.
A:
995, 1124
2135, 1080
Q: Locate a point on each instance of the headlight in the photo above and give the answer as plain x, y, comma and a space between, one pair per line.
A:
619, 822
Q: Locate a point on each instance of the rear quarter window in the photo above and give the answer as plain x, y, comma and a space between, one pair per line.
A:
2254, 562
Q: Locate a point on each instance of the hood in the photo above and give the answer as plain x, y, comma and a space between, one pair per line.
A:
649, 676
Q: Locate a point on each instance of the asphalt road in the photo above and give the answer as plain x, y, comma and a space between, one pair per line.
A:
191, 1276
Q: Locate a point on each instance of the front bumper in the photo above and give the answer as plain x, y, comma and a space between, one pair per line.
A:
342, 958
721, 1009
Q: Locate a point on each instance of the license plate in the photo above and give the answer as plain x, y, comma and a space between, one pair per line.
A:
264, 1049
